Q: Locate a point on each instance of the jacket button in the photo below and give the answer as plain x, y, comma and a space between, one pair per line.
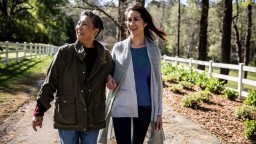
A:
89, 90
85, 109
65, 101
83, 72
82, 91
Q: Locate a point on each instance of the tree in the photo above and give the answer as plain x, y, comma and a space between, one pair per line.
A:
237, 35
202, 48
248, 36
226, 36
178, 42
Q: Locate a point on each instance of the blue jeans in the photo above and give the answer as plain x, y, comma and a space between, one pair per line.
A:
76, 137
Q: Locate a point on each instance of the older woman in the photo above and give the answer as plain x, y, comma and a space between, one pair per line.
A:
78, 75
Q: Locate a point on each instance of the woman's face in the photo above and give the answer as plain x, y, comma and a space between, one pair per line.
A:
85, 29
135, 23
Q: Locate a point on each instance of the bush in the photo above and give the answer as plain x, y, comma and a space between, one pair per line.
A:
250, 129
195, 99
250, 99
230, 94
187, 85
204, 96
215, 86
190, 101
176, 88
245, 112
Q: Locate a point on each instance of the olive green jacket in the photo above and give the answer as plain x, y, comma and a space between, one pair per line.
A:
79, 104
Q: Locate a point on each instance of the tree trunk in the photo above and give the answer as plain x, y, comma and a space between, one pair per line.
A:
202, 49
121, 20
226, 36
237, 34
178, 43
4, 8
248, 37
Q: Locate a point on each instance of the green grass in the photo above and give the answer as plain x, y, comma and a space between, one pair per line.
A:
19, 76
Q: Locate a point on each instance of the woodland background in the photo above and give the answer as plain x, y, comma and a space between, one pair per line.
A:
219, 30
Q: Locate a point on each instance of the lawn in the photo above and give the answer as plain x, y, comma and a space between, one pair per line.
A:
16, 76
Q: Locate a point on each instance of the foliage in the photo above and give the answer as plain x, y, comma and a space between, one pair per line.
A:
250, 129
203, 80
195, 99
250, 99
187, 85
40, 21
246, 112
215, 86
230, 94
177, 88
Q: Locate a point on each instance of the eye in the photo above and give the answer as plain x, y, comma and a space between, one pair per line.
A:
129, 20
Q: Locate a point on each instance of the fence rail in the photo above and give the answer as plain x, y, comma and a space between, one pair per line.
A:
241, 68
16, 51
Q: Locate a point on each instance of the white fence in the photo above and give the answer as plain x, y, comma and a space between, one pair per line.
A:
241, 68
17, 51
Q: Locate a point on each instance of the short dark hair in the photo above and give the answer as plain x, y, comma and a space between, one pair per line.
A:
146, 16
96, 20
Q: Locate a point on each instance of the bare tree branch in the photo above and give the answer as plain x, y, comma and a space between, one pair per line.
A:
103, 11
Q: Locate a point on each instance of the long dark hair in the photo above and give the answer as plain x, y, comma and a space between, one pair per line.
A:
147, 18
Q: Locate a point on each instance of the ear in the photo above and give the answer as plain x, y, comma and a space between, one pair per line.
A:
96, 31
145, 24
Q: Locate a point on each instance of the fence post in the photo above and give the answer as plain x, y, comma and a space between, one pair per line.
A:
17, 51
190, 62
36, 49
6, 52
30, 47
164, 58
176, 60
240, 79
40, 48
210, 67
25, 49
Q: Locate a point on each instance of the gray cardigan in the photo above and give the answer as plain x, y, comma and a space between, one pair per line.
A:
123, 68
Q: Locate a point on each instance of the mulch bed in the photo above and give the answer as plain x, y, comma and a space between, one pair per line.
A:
217, 116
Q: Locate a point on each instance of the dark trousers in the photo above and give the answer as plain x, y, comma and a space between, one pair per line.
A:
122, 127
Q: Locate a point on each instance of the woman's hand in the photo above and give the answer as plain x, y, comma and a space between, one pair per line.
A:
159, 123
111, 83
37, 121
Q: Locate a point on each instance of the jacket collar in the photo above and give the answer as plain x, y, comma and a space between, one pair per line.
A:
80, 52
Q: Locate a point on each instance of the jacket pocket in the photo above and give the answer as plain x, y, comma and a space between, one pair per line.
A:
65, 110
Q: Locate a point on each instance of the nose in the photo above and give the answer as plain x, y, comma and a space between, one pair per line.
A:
79, 26
131, 22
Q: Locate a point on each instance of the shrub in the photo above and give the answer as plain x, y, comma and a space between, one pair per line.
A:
230, 94
215, 86
195, 99
250, 129
203, 96
245, 112
190, 101
187, 85
250, 99
177, 88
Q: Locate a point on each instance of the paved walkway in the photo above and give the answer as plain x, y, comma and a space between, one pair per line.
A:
178, 129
